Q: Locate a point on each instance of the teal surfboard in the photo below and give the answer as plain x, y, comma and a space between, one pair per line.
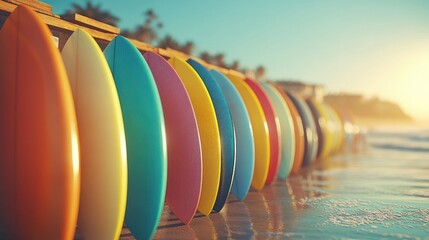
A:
145, 136
287, 130
245, 152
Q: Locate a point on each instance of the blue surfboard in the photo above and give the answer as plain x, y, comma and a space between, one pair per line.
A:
287, 130
318, 119
226, 131
310, 131
145, 136
245, 151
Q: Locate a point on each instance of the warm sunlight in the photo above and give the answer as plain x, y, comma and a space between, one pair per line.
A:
244, 119
410, 82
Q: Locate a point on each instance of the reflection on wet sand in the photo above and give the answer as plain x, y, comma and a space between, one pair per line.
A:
371, 195
237, 218
271, 213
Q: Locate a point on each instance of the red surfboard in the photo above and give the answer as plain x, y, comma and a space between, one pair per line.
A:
273, 128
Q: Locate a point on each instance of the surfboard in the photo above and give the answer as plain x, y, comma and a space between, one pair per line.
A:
226, 131
286, 128
145, 136
273, 129
341, 131
320, 122
348, 128
245, 152
323, 126
183, 140
334, 122
310, 132
208, 129
298, 128
260, 131
101, 133
39, 148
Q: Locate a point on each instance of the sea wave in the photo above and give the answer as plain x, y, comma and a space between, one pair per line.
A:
419, 138
400, 148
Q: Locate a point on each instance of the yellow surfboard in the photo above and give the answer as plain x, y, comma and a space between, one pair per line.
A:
102, 139
335, 126
260, 131
326, 128
209, 132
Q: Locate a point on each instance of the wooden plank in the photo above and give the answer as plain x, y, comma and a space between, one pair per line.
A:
143, 46
236, 73
199, 60
36, 5
95, 23
163, 52
178, 54
219, 69
6, 6
62, 24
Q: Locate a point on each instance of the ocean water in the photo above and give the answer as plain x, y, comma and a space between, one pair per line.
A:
381, 192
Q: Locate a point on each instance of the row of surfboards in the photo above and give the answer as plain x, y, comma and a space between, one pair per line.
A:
93, 139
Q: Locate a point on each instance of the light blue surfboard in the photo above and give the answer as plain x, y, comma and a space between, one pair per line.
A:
310, 131
226, 131
145, 136
245, 151
287, 130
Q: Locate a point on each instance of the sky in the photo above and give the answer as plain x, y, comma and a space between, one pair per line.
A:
373, 47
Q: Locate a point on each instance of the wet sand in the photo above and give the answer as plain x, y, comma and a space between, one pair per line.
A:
378, 193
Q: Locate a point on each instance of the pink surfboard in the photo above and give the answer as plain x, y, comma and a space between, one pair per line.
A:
273, 129
183, 140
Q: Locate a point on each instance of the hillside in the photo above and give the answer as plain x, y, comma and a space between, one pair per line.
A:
370, 110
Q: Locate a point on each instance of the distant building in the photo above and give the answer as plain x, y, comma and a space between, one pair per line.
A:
302, 89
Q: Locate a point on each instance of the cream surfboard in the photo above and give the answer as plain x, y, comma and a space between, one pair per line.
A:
101, 133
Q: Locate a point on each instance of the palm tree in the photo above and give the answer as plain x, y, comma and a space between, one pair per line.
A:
145, 32
235, 65
92, 11
169, 42
219, 59
205, 56
259, 73
188, 47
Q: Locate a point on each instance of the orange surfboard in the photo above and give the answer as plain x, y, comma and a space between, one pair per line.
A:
39, 150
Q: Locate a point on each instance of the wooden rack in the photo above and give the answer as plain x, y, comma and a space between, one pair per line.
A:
101, 32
